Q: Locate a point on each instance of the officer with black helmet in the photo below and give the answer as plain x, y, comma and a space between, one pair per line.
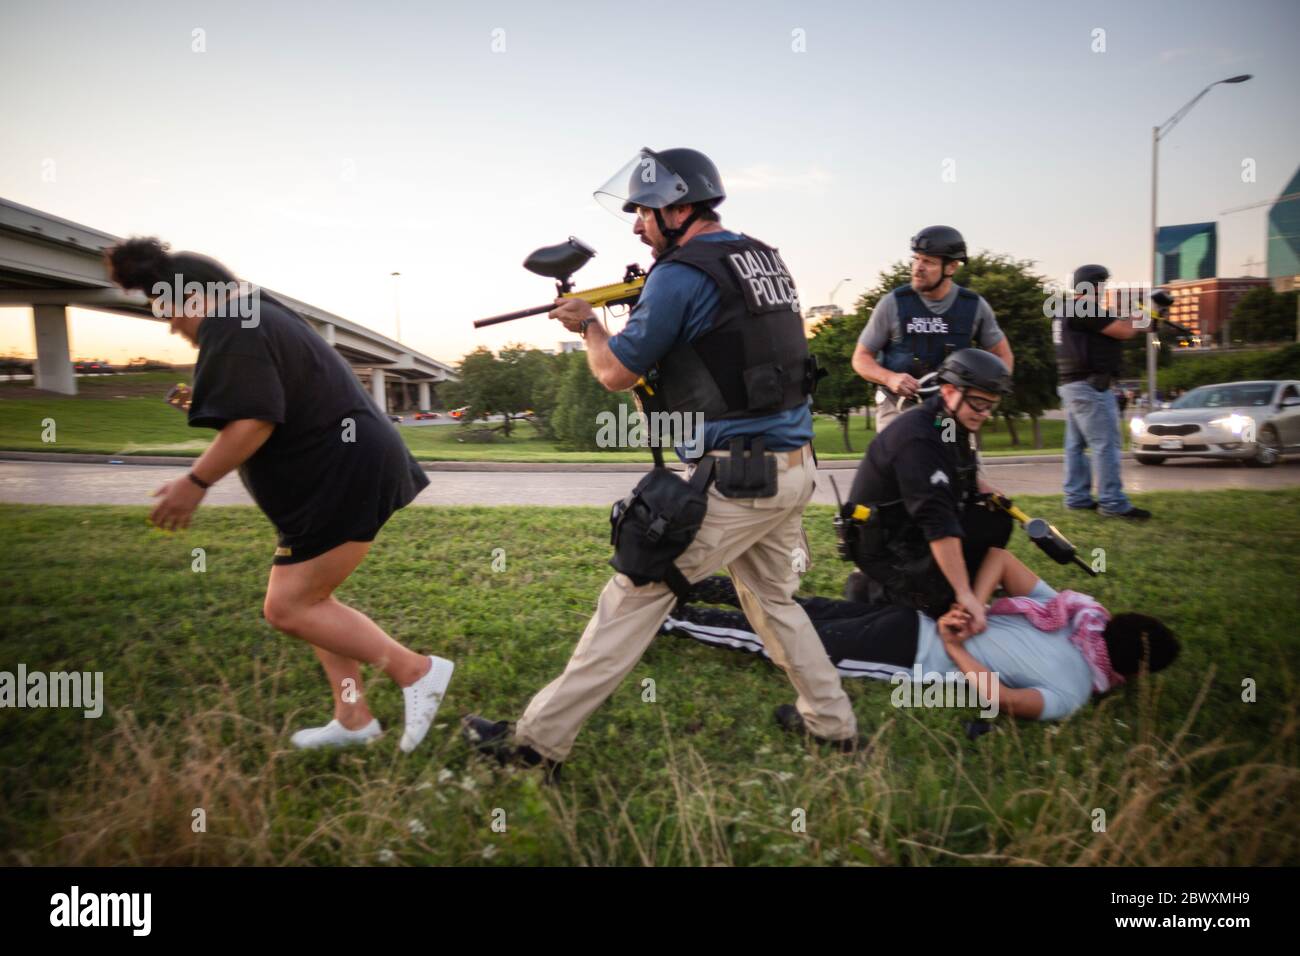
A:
1089, 340
929, 525
717, 334
915, 327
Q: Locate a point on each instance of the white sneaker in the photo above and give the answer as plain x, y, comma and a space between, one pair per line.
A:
422, 701
335, 734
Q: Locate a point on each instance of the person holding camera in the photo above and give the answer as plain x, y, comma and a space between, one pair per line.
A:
1089, 344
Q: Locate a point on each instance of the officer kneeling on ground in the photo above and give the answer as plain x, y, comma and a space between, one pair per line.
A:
930, 519
716, 333
915, 327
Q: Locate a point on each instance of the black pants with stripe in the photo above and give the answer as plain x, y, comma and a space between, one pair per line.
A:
862, 640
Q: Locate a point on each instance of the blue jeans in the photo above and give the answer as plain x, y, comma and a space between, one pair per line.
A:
1092, 421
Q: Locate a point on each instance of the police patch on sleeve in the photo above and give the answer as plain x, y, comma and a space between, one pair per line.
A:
764, 280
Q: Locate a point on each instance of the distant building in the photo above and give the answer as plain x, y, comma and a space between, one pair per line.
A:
1189, 251
819, 312
1284, 238
1204, 306
574, 346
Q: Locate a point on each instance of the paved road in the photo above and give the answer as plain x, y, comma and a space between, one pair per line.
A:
65, 484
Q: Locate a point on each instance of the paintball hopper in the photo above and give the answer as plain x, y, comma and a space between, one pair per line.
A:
560, 262
1050, 541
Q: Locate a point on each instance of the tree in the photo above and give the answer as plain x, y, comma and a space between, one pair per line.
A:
842, 389
580, 400
493, 385
542, 375
1262, 315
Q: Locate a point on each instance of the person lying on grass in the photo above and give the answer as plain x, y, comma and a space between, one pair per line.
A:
1045, 652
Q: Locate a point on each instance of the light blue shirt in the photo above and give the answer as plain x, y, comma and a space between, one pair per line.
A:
677, 306
1021, 655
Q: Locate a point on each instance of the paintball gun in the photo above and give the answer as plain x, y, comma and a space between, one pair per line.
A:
1054, 544
560, 262
1156, 307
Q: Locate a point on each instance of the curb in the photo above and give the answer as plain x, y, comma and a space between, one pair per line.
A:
78, 458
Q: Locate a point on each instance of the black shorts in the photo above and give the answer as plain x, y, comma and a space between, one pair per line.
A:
296, 551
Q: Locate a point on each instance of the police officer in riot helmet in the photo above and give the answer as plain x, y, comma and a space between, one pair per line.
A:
716, 335
930, 521
1089, 342
915, 327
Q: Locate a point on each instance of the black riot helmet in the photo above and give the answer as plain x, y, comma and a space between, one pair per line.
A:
943, 241
975, 368
1089, 276
657, 180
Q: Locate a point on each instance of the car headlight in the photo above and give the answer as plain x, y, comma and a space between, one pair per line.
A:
1138, 427
1237, 424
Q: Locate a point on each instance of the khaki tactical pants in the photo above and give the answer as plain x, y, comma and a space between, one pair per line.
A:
761, 543
889, 407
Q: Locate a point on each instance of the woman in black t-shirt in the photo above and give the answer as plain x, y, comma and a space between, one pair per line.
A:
317, 456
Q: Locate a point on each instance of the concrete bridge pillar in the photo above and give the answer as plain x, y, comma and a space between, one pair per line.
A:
53, 364
424, 397
377, 390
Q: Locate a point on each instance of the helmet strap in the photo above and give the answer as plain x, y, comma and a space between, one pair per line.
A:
942, 277
955, 417
674, 235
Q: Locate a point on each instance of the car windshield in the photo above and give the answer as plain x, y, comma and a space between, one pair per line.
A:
1226, 396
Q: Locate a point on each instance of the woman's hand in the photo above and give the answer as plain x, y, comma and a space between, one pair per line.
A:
177, 500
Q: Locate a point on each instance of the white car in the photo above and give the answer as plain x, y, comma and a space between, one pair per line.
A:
1256, 422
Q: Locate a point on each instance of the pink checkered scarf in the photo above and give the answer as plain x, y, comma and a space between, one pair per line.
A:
1087, 619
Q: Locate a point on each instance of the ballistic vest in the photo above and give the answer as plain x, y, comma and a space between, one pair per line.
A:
928, 339
754, 359
1080, 354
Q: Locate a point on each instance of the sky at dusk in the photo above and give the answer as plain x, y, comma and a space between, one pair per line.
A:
315, 148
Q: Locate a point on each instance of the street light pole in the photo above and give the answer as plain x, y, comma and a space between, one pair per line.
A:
1153, 340
397, 303
831, 297
1158, 133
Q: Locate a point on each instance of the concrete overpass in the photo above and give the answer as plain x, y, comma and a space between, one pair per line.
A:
49, 264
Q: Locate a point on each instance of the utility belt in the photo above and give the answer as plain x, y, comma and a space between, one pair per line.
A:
867, 535
895, 558
892, 552
657, 522
883, 531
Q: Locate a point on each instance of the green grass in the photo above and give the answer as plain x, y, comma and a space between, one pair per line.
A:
125, 415
202, 697
113, 414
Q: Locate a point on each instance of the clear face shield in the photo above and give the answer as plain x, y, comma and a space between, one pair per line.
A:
642, 181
